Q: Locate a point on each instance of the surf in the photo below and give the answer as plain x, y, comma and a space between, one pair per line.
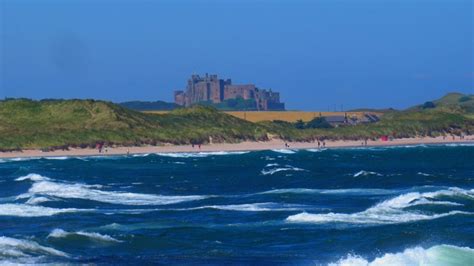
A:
439, 255
392, 211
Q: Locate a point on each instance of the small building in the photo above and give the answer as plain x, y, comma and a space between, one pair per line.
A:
336, 120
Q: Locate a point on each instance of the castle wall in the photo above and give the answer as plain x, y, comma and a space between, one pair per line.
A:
211, 88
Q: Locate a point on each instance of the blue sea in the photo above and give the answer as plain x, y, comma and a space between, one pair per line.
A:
410, 205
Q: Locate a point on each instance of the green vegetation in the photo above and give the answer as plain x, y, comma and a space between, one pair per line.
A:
83, 123
56, 124
150, 106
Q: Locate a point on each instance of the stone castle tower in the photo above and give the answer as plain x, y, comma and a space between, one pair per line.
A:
210, 88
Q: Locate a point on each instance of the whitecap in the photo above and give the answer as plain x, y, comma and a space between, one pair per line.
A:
87, 192
366, 173
251, 207
199, 154
32, 177
37, 200
284, 151
281, 169
59, 233
13, 247
26, 210
445, 255
316, 150
342, 191
424, 174
391, 211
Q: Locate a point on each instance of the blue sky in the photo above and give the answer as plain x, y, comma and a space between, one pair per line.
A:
318, 54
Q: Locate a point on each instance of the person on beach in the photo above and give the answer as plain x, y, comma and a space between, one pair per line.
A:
199, 145
324, 143
128, 152
319, 144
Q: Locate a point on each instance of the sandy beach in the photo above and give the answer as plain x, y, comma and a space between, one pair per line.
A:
243, 146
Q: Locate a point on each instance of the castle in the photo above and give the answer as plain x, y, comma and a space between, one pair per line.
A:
212, 89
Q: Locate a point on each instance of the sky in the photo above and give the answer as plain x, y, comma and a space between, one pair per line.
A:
320, 54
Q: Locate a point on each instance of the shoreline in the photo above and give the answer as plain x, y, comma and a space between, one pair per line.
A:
275, 144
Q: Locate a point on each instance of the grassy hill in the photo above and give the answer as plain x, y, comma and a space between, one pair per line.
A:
56, 123
451, 102
59, 124
150, 106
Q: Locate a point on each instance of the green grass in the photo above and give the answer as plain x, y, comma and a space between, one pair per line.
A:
83, 123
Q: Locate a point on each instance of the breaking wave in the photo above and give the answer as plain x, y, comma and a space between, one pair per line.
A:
392, 211
17, 248
279, 169
199, 154
45, 187
284, 151
59, 233
366, 173
343, 191
26, 210
316, 150
252, 207
437, 255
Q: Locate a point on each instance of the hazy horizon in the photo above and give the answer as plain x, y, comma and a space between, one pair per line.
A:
318, 54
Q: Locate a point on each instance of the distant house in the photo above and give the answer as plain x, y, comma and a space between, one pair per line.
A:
336, 120
369, 118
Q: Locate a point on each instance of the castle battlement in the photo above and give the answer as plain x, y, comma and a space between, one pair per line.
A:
209, 88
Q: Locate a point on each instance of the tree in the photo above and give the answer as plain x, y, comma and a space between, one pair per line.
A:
318, 122
428, 105
300, 124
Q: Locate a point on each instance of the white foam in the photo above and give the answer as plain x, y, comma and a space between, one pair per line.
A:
284, 151
200, 154
391, 211
25, 210
32, 177
445, 255
59, 233
424, 174
12, 247
252, 207
87, 192
316, 150
281, 169
366, 173
343, 191
37, 200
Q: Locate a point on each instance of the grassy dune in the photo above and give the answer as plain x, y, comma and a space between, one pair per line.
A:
83, 123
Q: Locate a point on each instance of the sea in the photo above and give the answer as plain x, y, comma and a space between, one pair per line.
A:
410, 205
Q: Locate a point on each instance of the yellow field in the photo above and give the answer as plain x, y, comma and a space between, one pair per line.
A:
289, 116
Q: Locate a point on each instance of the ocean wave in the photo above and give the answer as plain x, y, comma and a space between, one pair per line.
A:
391, 211
252, 207
33, 177
424, 174
459, 145
26, 210
37, 200
200, 154
60, 233
49, 188
14, 248
342, 191
366, 173
316, 150
437, 255
281, 169
284, 151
